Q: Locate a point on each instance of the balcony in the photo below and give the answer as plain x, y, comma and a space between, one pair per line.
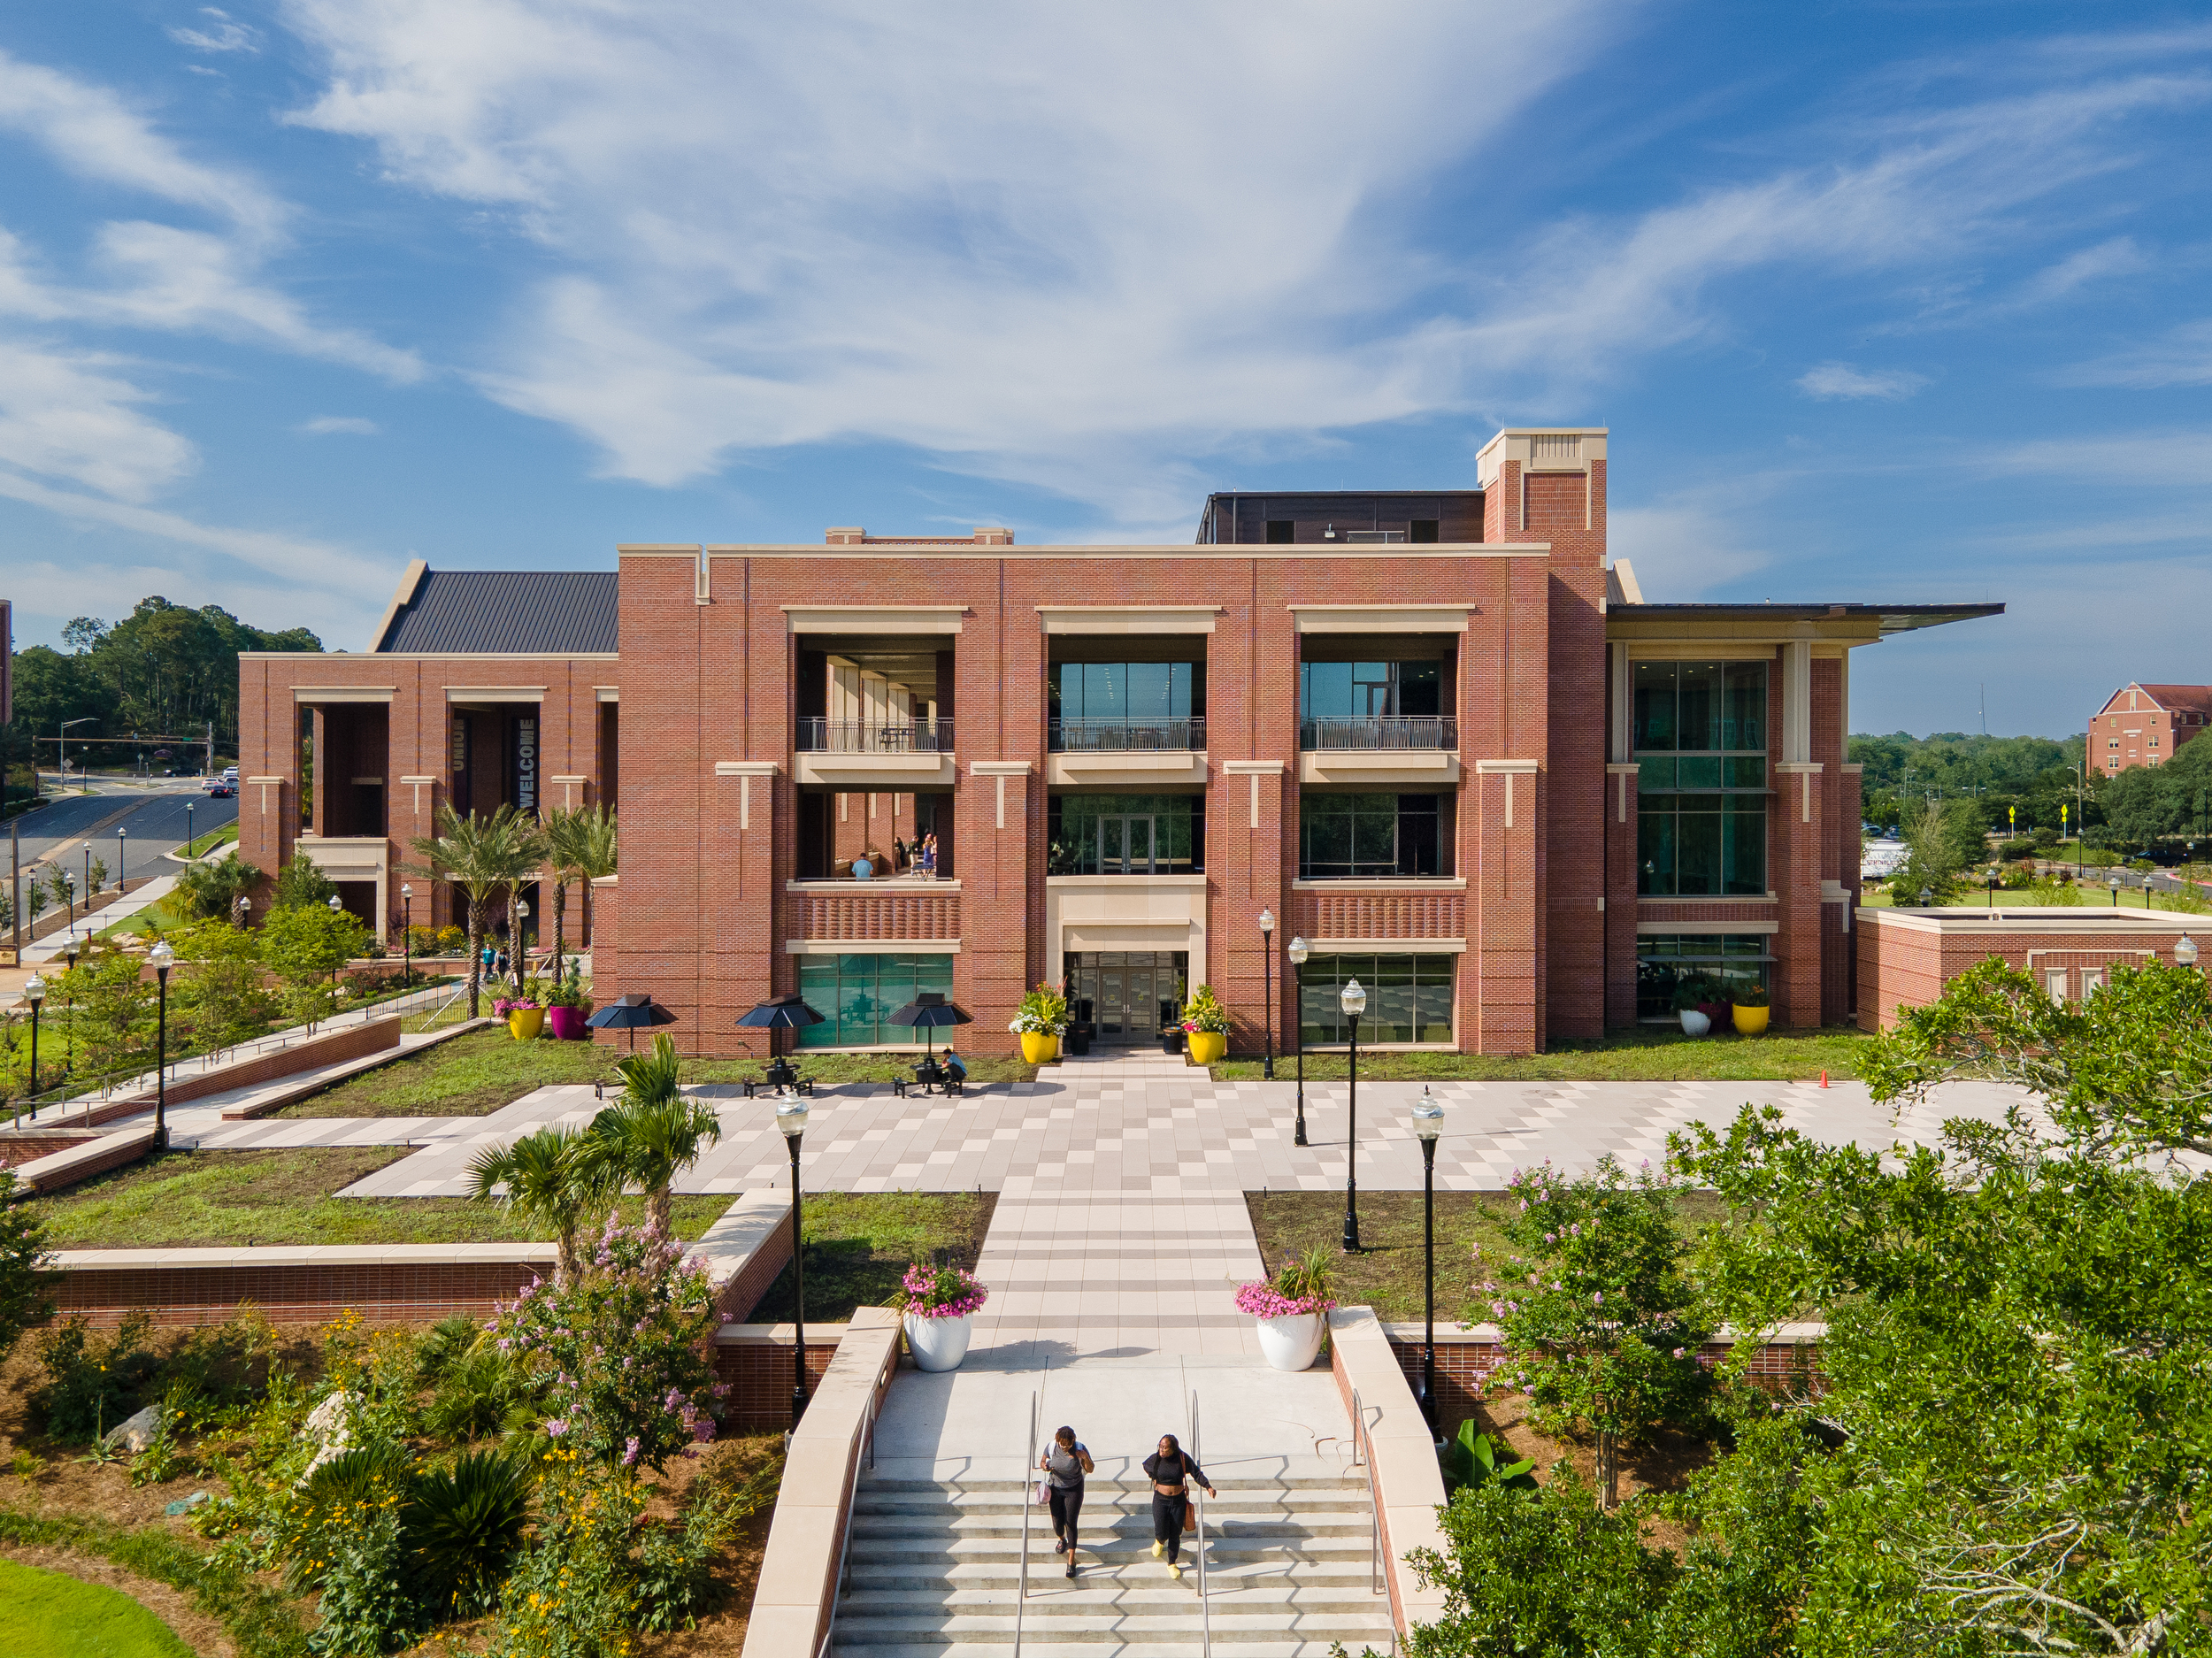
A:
1126, 751
898, 755
1391, 733
1418, 750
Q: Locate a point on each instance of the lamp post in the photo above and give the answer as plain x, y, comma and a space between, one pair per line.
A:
244, 905
522, 947
1353, 999
1995, 875
1298, 952
87, 879
162, 958
1428, 1123
34, 992
2184, 956
337, 908
1267, 979
406, 933
69, 885
122, 885
189, 806
69, 1005
791, 1113
2115, 884
1926, 894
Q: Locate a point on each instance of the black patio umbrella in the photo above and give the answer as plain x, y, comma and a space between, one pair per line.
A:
780, 1013
930, 1011
631, 1013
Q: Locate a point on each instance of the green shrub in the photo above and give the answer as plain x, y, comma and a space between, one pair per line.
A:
24, 1297
462, 1528
480, 1394
92, 1382
443, 1344
1468, 1458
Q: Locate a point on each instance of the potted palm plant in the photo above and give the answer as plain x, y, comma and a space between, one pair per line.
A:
1042, 1017
936, 1305
524, 1014
566, 1007
1688, 994
1205, 1026
1749, 1000
1292, 1309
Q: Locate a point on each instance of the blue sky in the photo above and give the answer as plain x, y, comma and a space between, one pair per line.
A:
1884, 302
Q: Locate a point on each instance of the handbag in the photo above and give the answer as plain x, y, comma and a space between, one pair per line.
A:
1190, 1515
1041, 1499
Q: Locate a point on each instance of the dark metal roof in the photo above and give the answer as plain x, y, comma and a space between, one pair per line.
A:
529, 612
1892, 619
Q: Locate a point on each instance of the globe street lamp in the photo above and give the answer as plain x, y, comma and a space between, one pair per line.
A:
121, 885
337, 906
162, 958
406, 934
34, 992
791, 1113
69, 886
1428, 1123
88, 878
2115, 892
1298, 952
1267, 979
1926, 894
188, 829
69, 1005
2184, 956
1353, 999
1995, 875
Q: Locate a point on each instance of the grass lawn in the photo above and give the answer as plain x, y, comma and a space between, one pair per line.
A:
1647, 1053
859, 1244
208, 1199
1386, 1274
200, 845
46, 1614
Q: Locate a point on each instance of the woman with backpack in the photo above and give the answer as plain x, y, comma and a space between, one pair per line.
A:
1066, 1460
1173, 1471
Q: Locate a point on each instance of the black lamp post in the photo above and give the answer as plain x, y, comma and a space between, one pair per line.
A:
69, 885
122, 885
337, 908
34, 992
1298, 952
88, 878
162, 958
2115, 892
1995, 875
522, 946
1353, 999
187, 830
1428, 1123
69, 1005
1267, 979
1926, 895
406, 934
791, 1114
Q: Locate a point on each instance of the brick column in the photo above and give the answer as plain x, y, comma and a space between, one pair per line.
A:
1620, 895
740, 966
1851, 814
1000, 811
1244, 866
1503, 955
1799, 832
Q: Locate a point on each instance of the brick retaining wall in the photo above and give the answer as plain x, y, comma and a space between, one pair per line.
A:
753, 1360
21, 1147
308, 1291
355, 1041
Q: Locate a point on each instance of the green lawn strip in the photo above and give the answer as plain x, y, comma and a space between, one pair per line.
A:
1387, 1273
199, 846
261, 1622
51, 1614
210, 1198
1643, 1056
477, 1074
859, 1244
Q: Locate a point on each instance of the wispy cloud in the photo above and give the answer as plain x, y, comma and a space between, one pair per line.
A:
222, 34
74, 415
2183, 356
1830, 381
327, 426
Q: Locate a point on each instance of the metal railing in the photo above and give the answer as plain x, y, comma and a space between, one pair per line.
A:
1021, 1600
1127, 736
842, 1578
1197, 1496
1392, 731
1377, 1584
817, 735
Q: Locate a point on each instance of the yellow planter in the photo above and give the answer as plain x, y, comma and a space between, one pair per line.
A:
1206, 1048
1039, 1049
1750, 1021
524, 1024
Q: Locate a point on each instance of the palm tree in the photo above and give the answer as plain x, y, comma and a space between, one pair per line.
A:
598, 861
579, 847
551, 1179
653, 1133
476, 856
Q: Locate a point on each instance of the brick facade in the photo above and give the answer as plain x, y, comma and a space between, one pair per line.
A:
1906, 957
2145, 724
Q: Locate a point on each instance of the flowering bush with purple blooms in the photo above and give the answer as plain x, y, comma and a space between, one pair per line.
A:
1600, 1324
930, 1292
621, 1357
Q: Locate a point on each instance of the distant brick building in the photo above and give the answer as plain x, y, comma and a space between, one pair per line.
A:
2143, 725
1906, 957
1433, 732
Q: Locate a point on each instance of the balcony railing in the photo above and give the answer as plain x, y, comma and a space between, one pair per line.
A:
1398, 730
874, 736
1097, 736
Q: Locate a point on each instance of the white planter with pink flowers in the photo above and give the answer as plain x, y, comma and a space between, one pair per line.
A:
1292, 1343
937, 1307
1290, 1311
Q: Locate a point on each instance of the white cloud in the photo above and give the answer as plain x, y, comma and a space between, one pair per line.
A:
325, 426
2169, 459
72, 416
1839, 379
2182, 357
1681, 549
223, 34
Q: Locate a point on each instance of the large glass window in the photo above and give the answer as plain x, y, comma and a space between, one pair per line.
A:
1369, 690
1664, 959
1408, 999
1126, 834
1700, 734
1344, 837
857, 995
1117, 705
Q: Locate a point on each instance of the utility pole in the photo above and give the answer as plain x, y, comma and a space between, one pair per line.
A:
210, 770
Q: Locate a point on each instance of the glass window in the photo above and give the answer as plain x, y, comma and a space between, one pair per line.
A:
1345, 837
1370, 690
1138, 692
1408, 999
1700, 734
856, 995
1664, 959
1126, 834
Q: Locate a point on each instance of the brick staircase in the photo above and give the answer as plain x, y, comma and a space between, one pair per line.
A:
935, 1569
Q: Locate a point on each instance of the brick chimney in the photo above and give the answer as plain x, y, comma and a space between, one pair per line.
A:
1546, 484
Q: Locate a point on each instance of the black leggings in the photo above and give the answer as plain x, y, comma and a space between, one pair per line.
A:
1167, 1522
1065, 1506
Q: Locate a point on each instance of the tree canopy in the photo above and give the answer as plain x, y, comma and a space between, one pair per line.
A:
2034, 775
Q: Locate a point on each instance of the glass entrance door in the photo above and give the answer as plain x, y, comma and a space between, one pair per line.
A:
1124, 846
1131, 995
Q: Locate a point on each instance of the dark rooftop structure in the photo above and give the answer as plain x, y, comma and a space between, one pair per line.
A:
1347, 516
502, 612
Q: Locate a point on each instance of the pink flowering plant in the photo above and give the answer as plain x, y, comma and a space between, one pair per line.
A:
621, 1357
1305, 1284
935, 1292
1601, 1324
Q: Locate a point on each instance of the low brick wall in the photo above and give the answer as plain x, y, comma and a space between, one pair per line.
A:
355, 1041
384, 1284
753, 1362
86, 1158
21, 1147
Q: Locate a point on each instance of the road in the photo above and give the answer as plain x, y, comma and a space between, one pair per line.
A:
152, 814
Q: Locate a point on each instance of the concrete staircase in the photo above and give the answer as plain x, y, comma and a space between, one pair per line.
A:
935, 1571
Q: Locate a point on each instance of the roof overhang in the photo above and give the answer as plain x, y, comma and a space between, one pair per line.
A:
1779, 623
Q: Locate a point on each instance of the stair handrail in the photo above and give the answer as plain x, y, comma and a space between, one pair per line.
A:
1376, 1583
1021, 1599
1197, 1491
842, 1578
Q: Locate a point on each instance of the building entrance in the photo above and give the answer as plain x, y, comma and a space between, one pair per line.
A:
1130, 996
1124, 845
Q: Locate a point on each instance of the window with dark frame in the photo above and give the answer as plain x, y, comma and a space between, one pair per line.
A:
1699, 743
1368, 837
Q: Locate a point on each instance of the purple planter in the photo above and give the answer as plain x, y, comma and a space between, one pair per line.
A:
1722, 1015
568, 1024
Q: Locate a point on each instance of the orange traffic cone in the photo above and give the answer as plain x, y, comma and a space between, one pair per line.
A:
1823, 1078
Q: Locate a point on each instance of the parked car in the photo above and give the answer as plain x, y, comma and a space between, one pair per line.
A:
221, 790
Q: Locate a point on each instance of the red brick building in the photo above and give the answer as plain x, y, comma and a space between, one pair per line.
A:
2143, 725
1906, 957
1433, 733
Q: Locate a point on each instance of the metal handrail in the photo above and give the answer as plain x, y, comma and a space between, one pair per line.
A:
841, 1579
1382, 731
1133, 735
1197, 1490
1377, 1584
818, 736
1022, 1581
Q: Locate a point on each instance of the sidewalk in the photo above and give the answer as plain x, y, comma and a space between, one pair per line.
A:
49, 947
